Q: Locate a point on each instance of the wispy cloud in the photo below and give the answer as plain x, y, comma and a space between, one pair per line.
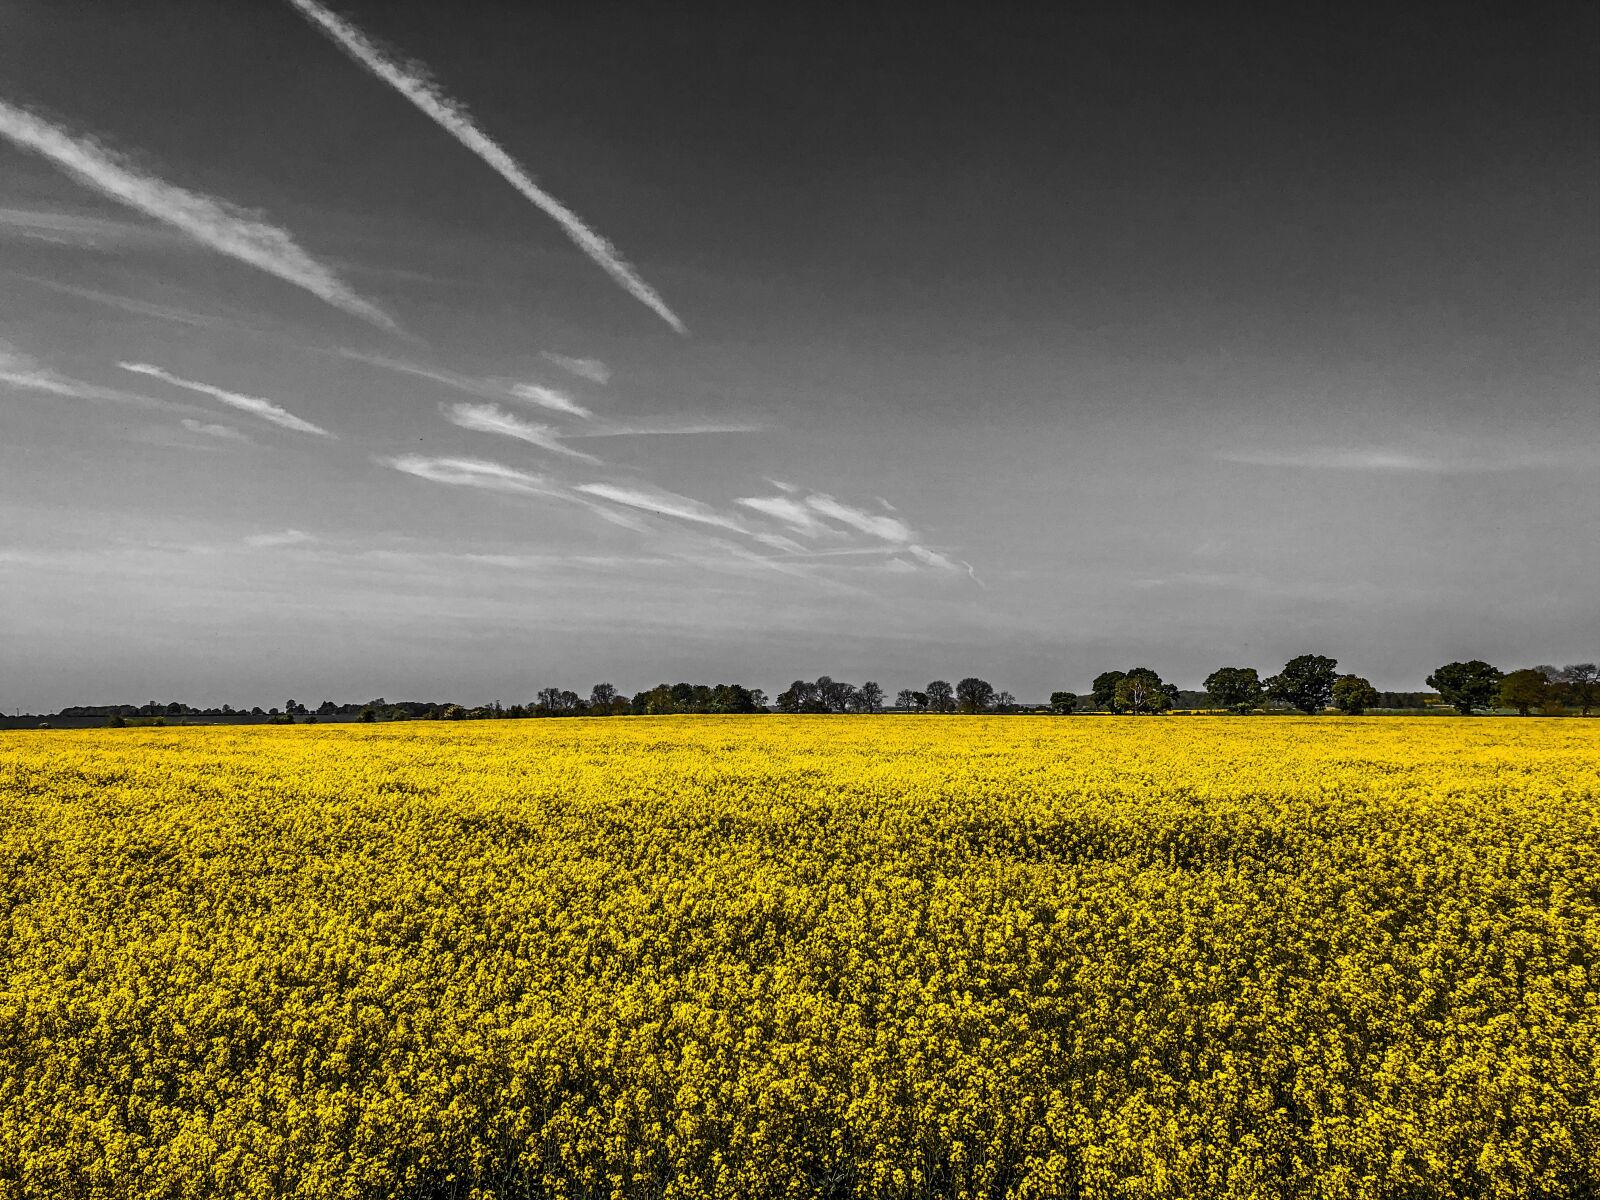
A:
547, 397
488, 418
138, 308
226, 433
286, 537
461, 383
78, 230
664, 503
890, 529
1331, 459
663, 429
806, 514
20, 371
411, 81
487, 389
472, 473
788, 510
591, 369
265, 409
1390, 459
224, 227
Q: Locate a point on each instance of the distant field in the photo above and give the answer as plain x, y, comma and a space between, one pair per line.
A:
803, 957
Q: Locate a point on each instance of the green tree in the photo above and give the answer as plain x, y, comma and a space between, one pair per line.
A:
1104, 689
1141, 691
1063, 702
1306, 682
1237, 689
1353, 695
1525, 690
1466, 686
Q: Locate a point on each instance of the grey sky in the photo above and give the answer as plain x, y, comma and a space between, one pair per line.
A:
1022, 347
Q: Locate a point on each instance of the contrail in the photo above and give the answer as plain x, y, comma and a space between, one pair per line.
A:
412, 82
265, 409
227, 228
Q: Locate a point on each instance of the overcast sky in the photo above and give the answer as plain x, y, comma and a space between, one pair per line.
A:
1024, 349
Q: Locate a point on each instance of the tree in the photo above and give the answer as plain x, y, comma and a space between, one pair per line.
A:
1525, 690
870, 697
1306, 682
1581, 684
940, 696
1004, 702
1104, 689
654, 702
1466, 685
1063, 702
1237, 689
1353, 695
794, 699
908, 699
835, 695
556, 702
974, 695
600, 699
1141, 691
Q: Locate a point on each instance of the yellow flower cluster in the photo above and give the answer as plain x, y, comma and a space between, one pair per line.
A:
803, 957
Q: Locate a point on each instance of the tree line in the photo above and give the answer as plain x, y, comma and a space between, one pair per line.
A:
1307, 683
1312, 683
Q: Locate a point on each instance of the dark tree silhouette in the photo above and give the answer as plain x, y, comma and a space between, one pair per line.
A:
974, 695
1580, 684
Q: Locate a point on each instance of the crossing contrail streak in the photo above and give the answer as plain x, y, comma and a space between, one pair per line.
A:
412, 82
233, 231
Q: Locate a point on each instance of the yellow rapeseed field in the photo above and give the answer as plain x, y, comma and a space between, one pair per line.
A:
803, 957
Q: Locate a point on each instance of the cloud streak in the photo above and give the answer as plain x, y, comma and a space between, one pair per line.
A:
690, 428
1388, 459
488, 418
412, 82
287, 537
226, 433
20, 371
73, 229
591, 369
806, 516
545, 397
665, 504
230, 230
473, 473
265, 409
